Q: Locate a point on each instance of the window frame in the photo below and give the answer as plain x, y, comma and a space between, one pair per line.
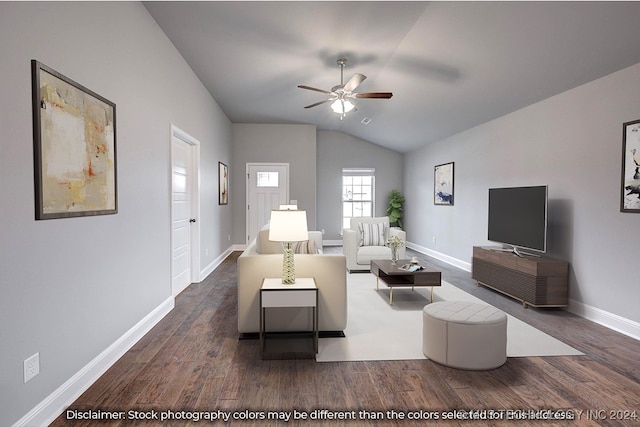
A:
353, 173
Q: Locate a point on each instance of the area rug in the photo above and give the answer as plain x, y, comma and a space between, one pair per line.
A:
379, 331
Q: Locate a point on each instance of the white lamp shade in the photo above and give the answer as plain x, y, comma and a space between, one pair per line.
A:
288, 226
342, 106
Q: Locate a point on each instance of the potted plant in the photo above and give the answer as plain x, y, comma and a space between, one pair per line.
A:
395, 208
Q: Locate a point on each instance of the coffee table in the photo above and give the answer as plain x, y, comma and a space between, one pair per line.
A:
392, 276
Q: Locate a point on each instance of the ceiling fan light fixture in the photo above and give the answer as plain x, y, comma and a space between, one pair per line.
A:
342, 106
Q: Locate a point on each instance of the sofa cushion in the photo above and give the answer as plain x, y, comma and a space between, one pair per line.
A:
372, 233
266, 246
367, 253
305, 247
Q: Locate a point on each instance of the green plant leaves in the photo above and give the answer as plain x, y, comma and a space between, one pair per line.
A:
395, 208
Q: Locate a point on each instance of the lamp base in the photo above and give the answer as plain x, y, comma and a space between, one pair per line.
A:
288, 268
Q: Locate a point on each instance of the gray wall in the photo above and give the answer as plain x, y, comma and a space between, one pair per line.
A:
316, 160
571, 142
262, 143
71, 287
337, 150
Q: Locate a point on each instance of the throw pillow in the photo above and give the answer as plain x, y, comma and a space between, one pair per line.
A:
372, 233
305, 247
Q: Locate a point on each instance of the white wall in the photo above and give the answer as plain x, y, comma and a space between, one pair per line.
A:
571, 142
71, 287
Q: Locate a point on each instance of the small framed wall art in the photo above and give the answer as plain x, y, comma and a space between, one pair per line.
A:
74, 146
443, 184
630, 183
223, 184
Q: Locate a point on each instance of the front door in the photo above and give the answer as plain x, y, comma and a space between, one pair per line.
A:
267, 189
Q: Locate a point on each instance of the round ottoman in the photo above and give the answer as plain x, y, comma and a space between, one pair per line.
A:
464, 335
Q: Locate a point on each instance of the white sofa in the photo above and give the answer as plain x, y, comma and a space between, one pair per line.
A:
359, 256
263, 258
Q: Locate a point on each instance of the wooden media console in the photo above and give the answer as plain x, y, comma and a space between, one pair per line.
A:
536, 281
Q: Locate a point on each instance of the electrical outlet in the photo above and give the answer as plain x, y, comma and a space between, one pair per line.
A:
323, 231
31, 367
433, 239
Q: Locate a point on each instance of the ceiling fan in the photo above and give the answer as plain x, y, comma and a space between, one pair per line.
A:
341, 95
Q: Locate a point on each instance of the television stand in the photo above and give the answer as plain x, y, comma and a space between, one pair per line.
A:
535, 281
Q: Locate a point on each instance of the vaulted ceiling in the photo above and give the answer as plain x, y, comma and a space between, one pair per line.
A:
450, 65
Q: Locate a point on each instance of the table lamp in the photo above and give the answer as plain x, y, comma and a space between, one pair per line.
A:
288, 226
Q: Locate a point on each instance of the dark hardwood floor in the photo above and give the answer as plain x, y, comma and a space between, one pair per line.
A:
193, 361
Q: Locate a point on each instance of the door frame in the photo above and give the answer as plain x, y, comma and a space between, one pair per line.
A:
194, 208
247, 190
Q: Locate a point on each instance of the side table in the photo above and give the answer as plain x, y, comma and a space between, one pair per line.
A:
288, 345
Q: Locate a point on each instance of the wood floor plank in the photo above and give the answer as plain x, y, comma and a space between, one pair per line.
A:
605, 388
192, 386
193, 360
209, 396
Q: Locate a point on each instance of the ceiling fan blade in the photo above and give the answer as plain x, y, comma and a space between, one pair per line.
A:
319, 103
354, 82
374, 95
314, 89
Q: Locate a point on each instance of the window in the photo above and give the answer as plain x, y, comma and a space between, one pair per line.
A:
357, 194
267, 179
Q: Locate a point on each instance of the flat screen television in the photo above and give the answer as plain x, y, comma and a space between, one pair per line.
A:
518, 217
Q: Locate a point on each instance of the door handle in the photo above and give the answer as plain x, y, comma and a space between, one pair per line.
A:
192, 220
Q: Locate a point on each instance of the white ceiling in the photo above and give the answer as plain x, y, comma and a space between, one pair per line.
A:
450, 65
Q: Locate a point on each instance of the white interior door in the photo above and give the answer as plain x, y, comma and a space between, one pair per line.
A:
267, 189
184, 212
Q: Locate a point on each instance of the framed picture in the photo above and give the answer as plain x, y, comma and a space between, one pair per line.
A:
443, 184
223, 184
74, 146
630, 183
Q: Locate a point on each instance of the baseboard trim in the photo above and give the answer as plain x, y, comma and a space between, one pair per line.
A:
215, 263
606, 319
53, 405
466, 266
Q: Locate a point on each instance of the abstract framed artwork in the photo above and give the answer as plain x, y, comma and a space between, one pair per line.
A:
630, 182
74, 145
223, 184
443, 184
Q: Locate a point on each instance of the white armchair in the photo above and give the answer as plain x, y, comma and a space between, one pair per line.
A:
360, 249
